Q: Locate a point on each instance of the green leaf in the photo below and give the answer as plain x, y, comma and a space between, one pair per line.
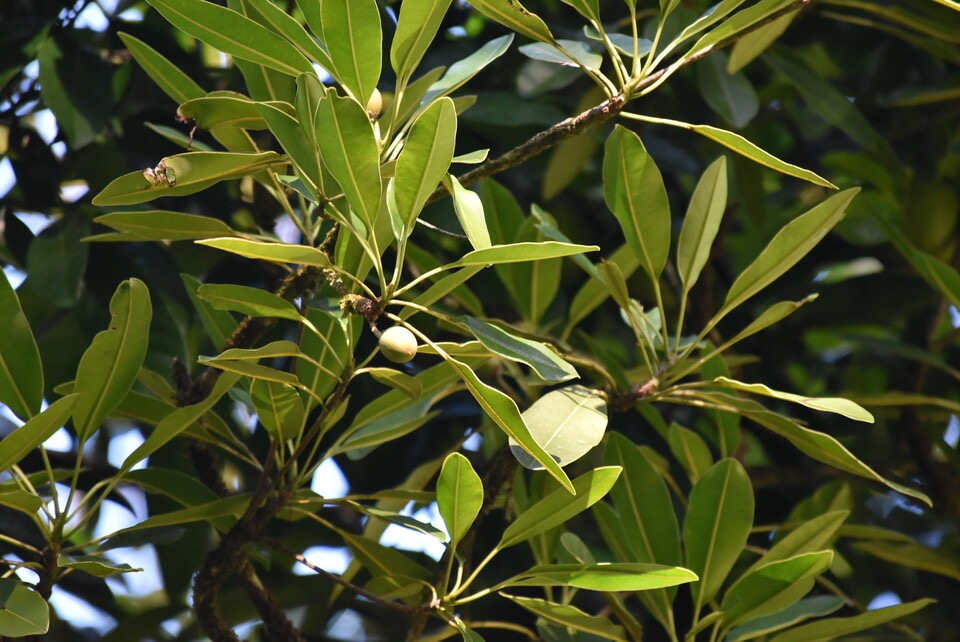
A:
573, 52
794, 241
350, 151
691, 451
837, 405
812, 443
813, 535
828, 102
798, 612
730, 95
296, 142
634, 192
504, 412
227, 509
246, 300
279, 408
833, 628
463, 70
178, 421
22, 611
94, 565
37, 430
185, 174
21, 372
330, 348
718, 522
567, 423
514, 16
913, 555
520, 252
285, 25
469, 210
218, 324
595, 291
942, 277
459, 496
232, 33
548, 365
751, 45
570, 616
174, 83
109, 366
223, 109
417, 26
381, 560
351, 31
560, 505
603, 576
743, 20
425, 158
590, 9
744, 147
21, 500
270, 251
395, 379
647, 524
772, 315
162, 225
701, 223
773, 586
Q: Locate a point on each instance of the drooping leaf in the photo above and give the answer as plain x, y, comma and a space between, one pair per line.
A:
351, 30
110, 364
833, 628
520, 252
548, 365
560, 505
233, 33
459, 496
634, 192
94, 565
718, 522
570, 616
567, 423
837, 405
270, 251
21, 372
573, 52
395, 379
162, 225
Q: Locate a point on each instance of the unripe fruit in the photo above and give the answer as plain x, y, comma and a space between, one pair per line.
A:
398, 344
375, 105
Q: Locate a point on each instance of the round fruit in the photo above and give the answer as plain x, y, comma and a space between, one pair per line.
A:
398, 344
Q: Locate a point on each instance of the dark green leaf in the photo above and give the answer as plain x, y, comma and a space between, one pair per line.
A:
21, 372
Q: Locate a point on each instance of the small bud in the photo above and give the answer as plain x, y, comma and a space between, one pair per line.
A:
375, 105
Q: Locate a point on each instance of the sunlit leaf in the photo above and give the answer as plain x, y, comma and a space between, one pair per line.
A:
548, 365
417, 26
701, 223
16, 445
269, 251
162, 225
634, 192
603, 576
570, 616
833, 628
247, 300
22, 611
459, 496
351, 31
567, 423
837, 405
514, 16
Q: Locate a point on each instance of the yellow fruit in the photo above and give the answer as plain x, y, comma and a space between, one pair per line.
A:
398, 344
